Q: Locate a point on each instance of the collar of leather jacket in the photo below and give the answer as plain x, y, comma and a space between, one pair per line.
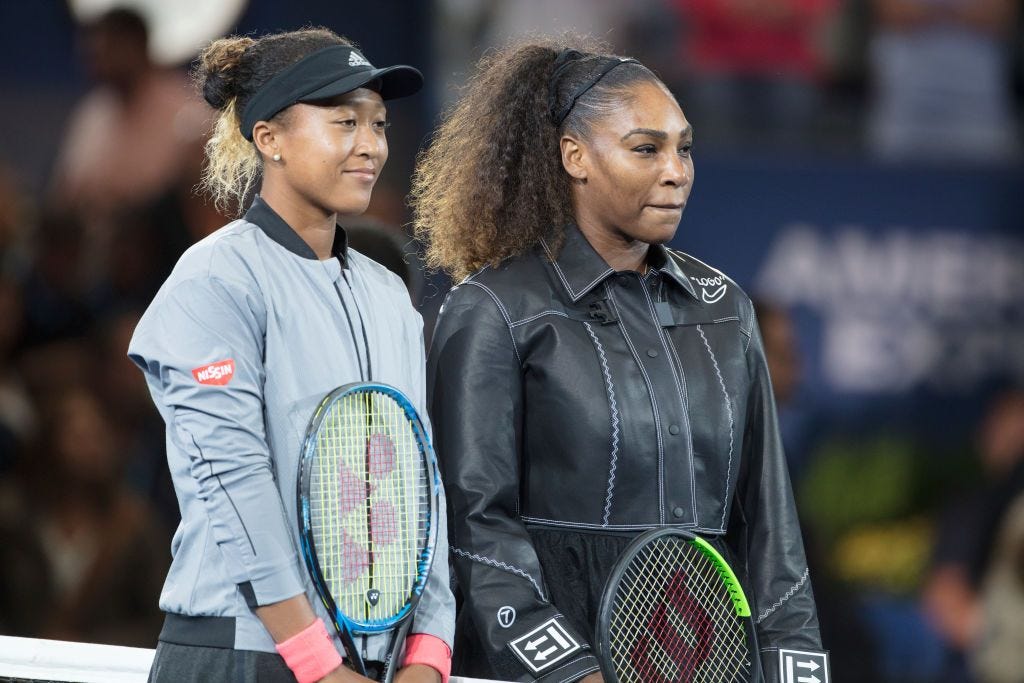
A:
581, 268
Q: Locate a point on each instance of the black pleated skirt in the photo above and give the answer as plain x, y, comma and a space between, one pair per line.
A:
575, 566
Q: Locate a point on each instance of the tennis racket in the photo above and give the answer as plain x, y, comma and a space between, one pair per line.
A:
674, 611
368, 504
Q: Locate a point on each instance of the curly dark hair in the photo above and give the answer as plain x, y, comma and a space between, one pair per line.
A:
229, 73
491, 184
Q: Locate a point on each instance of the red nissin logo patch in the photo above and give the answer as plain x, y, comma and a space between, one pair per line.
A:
219, 373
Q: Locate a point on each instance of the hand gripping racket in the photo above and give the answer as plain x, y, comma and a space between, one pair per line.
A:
368, 504
673, 611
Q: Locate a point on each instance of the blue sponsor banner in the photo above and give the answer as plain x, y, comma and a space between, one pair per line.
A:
907, 283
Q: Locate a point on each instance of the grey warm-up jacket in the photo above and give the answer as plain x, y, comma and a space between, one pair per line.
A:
239, 346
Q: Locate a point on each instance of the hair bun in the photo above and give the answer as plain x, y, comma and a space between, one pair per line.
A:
220, 64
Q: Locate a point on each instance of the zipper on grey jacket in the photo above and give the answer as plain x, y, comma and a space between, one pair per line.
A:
351, 329
362, 328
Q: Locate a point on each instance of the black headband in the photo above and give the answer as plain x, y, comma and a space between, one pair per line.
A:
328, 72
562, 62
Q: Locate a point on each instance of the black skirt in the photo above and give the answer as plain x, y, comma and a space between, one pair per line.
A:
575, 566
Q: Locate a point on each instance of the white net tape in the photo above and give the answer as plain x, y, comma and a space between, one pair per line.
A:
31, 659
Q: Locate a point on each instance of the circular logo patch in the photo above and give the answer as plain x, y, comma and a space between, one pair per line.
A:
506, 616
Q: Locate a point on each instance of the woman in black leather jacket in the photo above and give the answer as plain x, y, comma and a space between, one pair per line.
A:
587, 382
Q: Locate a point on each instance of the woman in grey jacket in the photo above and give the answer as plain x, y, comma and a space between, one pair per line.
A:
254, 326
586, 382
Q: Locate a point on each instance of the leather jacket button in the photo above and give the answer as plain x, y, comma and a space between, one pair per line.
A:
673, 429
677, 512
652, 353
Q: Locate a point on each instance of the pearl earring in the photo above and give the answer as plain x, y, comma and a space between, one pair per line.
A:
276, 157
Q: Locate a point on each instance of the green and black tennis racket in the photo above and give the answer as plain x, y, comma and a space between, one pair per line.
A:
368, 513
673, 611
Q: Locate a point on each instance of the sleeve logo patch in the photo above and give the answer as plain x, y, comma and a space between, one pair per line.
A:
796, 666
544, 646
716, 284
506, 616
219, 373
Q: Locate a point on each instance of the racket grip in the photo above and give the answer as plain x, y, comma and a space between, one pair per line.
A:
310, 653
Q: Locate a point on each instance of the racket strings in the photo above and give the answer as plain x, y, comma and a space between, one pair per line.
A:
673, 620
369, 506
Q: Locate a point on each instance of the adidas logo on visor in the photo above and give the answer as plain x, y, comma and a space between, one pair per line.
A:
356, 59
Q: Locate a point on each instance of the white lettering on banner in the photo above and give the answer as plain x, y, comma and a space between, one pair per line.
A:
902, 309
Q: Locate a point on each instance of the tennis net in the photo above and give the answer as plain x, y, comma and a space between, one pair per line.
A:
31, 659
57, 661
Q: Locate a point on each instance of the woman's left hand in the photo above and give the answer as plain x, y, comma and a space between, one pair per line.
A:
417, 673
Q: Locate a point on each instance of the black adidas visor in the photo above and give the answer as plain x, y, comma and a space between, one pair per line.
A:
326, 73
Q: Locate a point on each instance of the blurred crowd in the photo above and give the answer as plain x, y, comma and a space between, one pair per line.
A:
86, 506
899, 80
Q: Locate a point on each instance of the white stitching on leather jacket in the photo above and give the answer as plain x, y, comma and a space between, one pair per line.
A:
566, 395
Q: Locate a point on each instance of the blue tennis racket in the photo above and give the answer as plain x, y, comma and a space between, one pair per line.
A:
368, 504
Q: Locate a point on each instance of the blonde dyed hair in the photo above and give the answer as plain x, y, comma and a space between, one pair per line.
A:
233, 164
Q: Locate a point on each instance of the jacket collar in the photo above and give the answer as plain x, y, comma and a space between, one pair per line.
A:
664, 261
278, 230
580, 268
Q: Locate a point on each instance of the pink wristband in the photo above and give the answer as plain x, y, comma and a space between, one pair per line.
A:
423, 648
310, 653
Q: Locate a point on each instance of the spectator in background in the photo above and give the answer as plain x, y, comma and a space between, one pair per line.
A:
997, 655
54, 294
782, 349
782, 352
126, 397
968, 530
17, 414
755, 69
180, 217
465, 29
14, 235
130, 138
942, 80
101, 546
141, 256
842, 625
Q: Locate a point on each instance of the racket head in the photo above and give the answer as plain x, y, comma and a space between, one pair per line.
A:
368, 504
673, 611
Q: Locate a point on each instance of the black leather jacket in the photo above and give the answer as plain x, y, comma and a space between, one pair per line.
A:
566, 395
